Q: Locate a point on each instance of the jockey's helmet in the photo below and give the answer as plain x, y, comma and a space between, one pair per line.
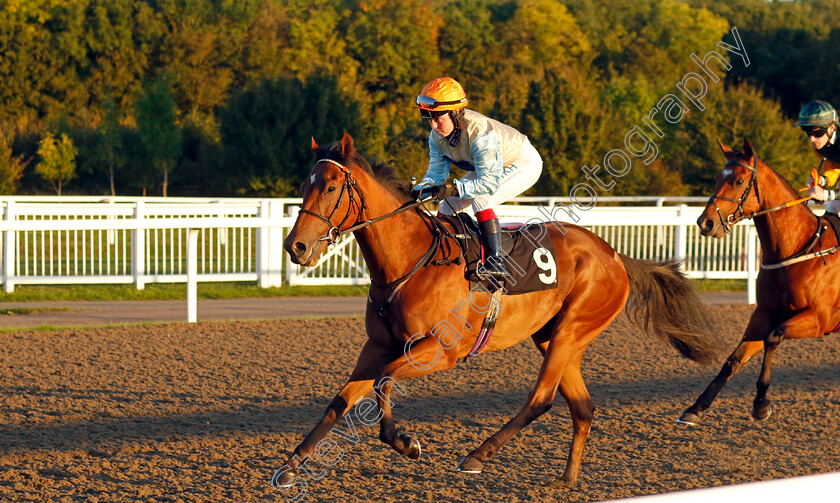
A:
439, 96
817, 113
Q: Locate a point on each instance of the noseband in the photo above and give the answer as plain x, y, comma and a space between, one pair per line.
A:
348, 187
738, 215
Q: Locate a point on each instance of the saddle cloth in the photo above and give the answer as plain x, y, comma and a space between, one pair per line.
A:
530, 256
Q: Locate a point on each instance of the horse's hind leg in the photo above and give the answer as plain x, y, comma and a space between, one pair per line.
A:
744, 351
557, 357
581, 409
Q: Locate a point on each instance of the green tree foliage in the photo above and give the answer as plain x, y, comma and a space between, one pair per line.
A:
11, 167
266, 132
157, 123
58, 161
106, 155
793, 45
732, 115
565, 121
575, 75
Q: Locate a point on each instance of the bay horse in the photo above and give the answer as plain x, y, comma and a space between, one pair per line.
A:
411, 298
798, 286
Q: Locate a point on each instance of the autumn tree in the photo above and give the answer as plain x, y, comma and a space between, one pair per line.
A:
57, 160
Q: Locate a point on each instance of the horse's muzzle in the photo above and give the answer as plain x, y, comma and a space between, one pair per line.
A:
298, 251
709, 226
706, 225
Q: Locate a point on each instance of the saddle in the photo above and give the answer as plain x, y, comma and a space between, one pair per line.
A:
530, 256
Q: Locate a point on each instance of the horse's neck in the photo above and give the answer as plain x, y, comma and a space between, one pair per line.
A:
782, 232
393, 246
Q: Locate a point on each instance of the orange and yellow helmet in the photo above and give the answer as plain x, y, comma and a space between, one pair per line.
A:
441, 95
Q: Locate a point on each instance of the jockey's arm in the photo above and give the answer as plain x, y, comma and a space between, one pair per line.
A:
438, 170
825, 188
831, 177
487, 159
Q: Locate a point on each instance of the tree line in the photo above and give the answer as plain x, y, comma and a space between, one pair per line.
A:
221, 97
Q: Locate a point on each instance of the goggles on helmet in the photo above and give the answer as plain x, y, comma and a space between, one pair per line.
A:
431, 103
432, 114
816, 132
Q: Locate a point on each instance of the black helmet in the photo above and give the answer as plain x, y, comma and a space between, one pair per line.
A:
817, 113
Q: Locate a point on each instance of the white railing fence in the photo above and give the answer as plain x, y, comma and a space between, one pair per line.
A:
79, 240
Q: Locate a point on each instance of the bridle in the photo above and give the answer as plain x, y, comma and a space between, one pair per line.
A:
357, 200
738, 215
352, 191
349, 187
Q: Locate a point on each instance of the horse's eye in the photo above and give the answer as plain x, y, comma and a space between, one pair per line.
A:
739, 182
330, 189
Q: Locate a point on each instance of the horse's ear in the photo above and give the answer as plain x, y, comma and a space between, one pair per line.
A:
727, 152
346, 145
748, 148
314, 145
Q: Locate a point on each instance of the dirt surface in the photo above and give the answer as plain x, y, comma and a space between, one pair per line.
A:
207, 412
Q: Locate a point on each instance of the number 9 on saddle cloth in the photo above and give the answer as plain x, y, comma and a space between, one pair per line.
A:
530, 256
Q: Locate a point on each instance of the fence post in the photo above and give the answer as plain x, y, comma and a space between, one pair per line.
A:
291, 267
192, 275
681, 238
9, 250
138, 248
752, 261
270, 247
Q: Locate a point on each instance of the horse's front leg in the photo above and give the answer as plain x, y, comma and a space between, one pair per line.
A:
370, 362
803, 324
752, 342
420, 357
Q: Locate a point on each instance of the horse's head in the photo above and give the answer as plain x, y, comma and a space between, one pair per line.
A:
332, 202
736, 192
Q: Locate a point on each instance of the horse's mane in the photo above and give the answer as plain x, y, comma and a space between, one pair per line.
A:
382, 172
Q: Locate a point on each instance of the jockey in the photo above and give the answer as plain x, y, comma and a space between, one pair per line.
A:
818, 120
499, 160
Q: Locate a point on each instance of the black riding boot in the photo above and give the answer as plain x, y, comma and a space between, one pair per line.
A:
494, 255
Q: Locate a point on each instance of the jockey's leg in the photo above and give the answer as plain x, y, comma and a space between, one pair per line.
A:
491, 233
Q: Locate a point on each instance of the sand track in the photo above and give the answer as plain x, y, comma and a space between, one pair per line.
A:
207, 412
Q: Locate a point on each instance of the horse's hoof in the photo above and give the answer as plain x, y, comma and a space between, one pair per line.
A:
470, 465
414, 450
688, 419
762, 411
562, 484
283, 479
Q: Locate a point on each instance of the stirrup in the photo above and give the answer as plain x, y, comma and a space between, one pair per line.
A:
495, 268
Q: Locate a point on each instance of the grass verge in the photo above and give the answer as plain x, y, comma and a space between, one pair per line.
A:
171, 291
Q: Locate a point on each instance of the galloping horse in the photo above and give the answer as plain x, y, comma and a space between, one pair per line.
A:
411, 298
799, 282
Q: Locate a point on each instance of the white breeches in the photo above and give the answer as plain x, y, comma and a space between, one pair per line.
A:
520, 176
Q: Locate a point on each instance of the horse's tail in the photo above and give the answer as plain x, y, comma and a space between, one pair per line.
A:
664, 304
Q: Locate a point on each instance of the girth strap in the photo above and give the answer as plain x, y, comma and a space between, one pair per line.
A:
488, 325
